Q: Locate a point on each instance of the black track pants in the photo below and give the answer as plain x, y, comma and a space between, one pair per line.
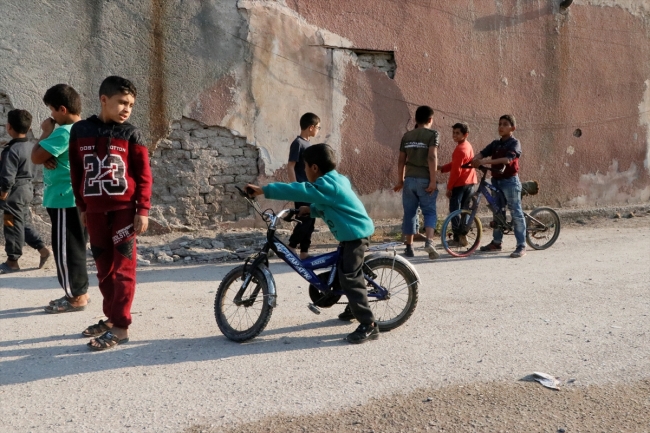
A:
69, 245
350, 270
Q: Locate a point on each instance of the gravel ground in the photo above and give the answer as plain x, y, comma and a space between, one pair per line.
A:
578, 311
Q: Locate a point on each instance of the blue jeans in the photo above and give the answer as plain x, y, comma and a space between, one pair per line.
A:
414, 196
511, 189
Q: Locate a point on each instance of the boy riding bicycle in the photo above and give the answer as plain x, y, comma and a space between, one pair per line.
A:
333, 200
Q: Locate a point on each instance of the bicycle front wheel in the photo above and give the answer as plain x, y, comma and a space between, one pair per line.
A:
245, 319
542, 228
402, 286
466, 243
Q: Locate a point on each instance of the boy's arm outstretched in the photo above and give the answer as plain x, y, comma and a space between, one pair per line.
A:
322, 193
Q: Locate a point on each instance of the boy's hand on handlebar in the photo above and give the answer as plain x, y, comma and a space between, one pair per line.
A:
304, 211
254, 190
476, 162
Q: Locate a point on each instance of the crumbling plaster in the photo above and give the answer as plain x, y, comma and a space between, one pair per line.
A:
253, 66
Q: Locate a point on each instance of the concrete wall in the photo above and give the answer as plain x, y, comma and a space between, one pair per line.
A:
253, 67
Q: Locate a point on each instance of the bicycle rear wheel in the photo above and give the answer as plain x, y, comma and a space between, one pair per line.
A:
466, 245
246, 319
542, 228
402, 286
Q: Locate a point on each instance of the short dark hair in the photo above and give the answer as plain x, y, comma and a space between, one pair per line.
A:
423, 114
462, 127
113, 85
322, 155
63, 95
307, 120
20, 120
510, 118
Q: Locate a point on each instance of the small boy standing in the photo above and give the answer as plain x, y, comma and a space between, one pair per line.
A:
111, 181
460, 185
309, 127
17, 192
416, 176
333, 200
504, 155
68, 234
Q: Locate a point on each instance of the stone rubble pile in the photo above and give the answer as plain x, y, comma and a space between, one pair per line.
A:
229, 246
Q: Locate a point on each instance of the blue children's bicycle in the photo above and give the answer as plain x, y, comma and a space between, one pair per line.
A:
247, 295
461, 231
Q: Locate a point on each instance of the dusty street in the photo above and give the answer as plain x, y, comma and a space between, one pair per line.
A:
579, 311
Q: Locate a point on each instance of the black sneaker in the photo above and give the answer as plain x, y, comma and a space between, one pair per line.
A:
492, 246
519, 252
346, 315
408, 251
364, 333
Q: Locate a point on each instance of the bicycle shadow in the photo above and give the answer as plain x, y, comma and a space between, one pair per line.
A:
26, 365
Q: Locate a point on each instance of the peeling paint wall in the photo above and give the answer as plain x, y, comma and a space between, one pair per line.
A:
577, 80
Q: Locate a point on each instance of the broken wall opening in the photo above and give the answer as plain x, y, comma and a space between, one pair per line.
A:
195, 170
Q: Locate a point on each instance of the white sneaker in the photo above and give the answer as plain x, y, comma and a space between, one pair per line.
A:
429, 248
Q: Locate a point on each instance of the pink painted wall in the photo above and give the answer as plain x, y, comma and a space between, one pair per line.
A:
555, 71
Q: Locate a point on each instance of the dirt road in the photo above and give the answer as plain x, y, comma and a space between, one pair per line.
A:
578, 311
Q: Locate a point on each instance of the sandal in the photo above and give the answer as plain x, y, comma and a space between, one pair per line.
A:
106, 341
63, 306
6, 269
54, 301
95, 330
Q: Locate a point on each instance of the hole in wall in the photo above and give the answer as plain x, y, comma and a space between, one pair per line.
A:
577, 133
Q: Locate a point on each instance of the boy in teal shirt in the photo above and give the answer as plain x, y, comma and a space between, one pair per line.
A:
68, 234
334, 201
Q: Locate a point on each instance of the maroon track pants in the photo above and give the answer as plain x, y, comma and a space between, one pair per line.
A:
112, 241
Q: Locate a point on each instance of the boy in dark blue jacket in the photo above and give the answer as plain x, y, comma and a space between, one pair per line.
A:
334, 201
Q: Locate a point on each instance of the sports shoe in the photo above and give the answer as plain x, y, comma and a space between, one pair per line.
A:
462, 240
408, 251
518, 252
492, 246
346, 315
364, 333
429, 248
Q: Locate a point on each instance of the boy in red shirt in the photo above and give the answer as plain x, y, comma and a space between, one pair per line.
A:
111, 181
461, 182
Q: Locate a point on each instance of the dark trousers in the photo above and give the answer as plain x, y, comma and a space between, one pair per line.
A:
350, 270
17, 223
69, 245
459, 199
302, 232
112, 241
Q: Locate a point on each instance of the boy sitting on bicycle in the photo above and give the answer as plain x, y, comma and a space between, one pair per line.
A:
504, 157
334, 201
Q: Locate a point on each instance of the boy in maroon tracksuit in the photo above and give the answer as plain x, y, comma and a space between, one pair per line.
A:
111, 181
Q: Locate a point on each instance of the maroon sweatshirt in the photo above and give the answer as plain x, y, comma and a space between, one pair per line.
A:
109, 167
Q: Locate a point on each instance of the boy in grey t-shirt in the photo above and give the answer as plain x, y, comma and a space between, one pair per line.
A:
309, 127
418, 160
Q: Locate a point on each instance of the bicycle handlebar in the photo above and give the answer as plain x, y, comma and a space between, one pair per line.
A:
484, 168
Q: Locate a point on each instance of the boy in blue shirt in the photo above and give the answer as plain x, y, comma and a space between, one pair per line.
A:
334, 201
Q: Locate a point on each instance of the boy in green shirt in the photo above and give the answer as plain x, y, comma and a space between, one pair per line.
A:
68, 234
334, 201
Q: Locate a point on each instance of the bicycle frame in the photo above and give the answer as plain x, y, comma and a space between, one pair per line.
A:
304, 268
484, 189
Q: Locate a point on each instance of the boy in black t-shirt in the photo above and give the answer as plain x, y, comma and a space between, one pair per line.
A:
309, 127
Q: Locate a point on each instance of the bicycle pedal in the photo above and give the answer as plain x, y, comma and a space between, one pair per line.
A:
313, 308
